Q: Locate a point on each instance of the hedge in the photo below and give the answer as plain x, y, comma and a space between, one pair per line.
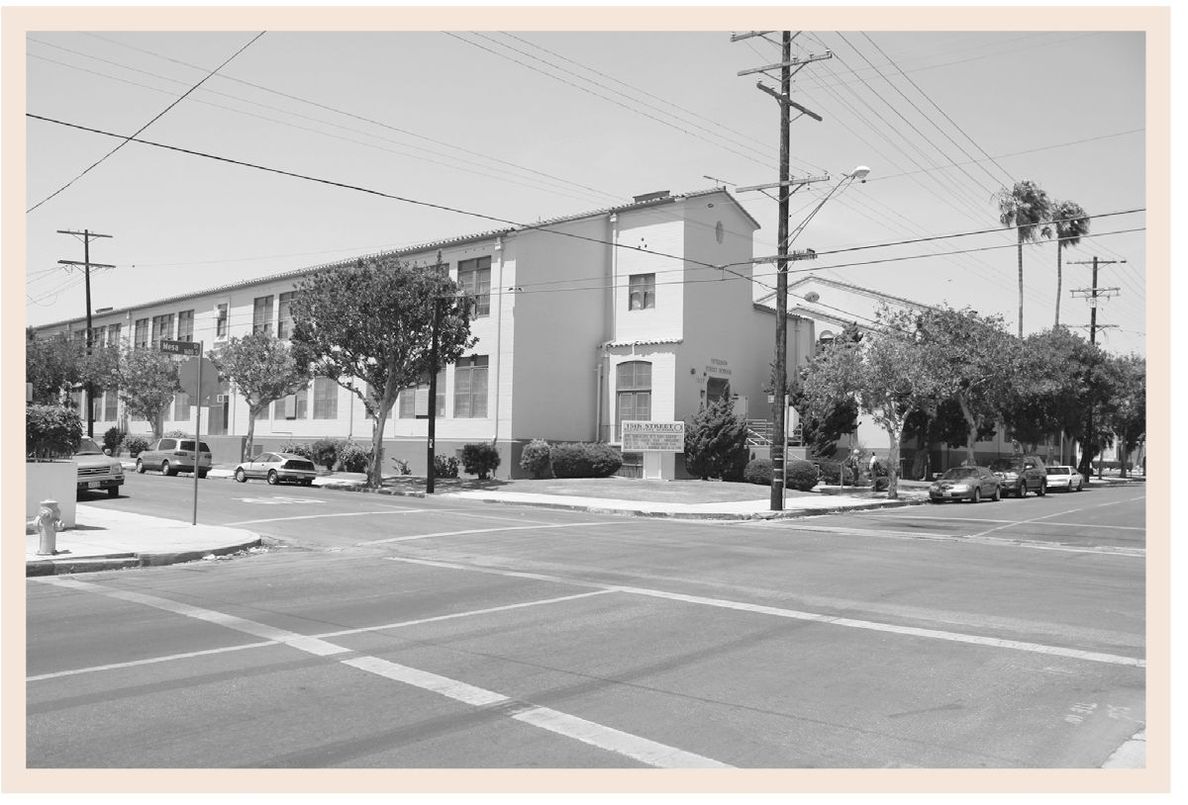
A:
585, 460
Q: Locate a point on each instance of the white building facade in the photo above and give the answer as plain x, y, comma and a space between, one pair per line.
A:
644, 311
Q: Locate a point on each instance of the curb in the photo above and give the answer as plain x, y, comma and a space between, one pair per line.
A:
127, 561
786, 514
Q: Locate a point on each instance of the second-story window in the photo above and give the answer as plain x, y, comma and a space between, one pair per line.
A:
475, 278
185, 325
641, 290
162, 329
221, 320
141, 340
262, 314
113, 335
284, 320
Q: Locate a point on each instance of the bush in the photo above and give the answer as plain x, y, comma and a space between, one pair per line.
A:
758, 471
480, 458
585, 460
353, 457
536, 459
298, 449
716, 442
112, 439
801, 475
830, 471
177, 434
445, 467
51, 431
401, 466
325, 453
136, 445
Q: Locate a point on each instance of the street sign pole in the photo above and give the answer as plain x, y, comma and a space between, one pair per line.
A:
197, 433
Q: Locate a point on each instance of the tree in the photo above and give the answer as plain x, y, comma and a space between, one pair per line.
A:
716, 441
263, 369
369, 327
1125, 412
1025, 207
821, 430
977, 356
146, 380
1071, 223
890, 374
53, 365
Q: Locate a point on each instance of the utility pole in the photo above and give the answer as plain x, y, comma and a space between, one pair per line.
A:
86, 236
431, 446
1093, 294
780, 367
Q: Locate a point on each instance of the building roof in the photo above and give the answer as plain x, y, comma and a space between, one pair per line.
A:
640, 202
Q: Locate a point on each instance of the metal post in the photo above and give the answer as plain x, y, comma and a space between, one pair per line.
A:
197, 433
431, 441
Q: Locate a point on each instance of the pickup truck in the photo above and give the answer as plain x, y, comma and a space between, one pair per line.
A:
97, 470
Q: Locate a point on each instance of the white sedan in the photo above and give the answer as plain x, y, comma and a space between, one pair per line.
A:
277, 468
1061, 476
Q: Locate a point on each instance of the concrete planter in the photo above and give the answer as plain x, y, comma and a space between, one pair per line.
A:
51, 480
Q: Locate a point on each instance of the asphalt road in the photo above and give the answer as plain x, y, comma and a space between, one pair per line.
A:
411, 633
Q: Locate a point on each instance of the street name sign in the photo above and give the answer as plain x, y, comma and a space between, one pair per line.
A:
181, 347
664, 437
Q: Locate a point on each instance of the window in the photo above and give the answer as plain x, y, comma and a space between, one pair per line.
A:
142, 333
413, 401
262, 314
162, 329
641, 290
470, 387
325, 394
292, 407
113, 335
284, 324
221, 320
633, 386
185, 325
181, 407
97, 405
98, 336
475, 278
111, 410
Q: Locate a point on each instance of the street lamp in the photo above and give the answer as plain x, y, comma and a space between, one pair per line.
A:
780, 380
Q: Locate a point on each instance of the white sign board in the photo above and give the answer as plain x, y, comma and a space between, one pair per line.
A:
653, 436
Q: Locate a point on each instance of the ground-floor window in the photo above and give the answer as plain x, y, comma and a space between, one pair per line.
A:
293, 406
181, 406
470, 387
413, 402
325, 393
111, 407
633, 398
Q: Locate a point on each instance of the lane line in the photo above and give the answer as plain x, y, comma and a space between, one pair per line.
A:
816, 617
606, 738
332, 514
469, 531
119, 666
1056, 514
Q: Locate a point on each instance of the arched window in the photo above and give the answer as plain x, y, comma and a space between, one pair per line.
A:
633, 393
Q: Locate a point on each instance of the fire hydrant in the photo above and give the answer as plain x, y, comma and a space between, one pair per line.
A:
49, 523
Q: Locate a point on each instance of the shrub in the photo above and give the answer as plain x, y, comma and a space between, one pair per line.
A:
716, 442
112, 439
325, 453
480, 458
584, 460
445, 466
353, 457
830, 471
402, 466
802, 475
758, 471
136, 444
177, 434
298, 449
536, 459
51, 431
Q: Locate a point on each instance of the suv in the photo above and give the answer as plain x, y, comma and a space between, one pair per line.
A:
97, 470
172, 456
1020, 474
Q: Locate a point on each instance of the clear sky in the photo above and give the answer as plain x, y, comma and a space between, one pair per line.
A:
523, 126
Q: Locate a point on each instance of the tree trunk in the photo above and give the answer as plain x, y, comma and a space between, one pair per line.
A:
247, 445
375, 471
1059, 276
971, 425
893, 434
1020, 247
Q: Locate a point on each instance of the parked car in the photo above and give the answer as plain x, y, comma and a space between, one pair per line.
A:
965, 483
1019, 474
1061, 476
97, 470
277, 468
172, 456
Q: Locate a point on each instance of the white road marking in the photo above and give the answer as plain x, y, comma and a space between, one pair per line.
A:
279, 500
588, 732
1054, 514
360, 630
333, 514
485, 531
721, 603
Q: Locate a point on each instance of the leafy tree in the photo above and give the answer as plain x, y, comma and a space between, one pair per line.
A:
263, 369
978, 357
1124, 414
51, 431
890, 374
1071, 223
1025, 207
716, 441
146, 380
53, 366
369, 327
821, 430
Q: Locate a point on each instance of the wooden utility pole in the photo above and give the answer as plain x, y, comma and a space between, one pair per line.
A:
1092, 294
431, 441
87, 265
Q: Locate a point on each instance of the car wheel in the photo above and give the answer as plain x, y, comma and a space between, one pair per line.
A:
1043, 489
202, 473
272, 479
307, 482
997, 493
113, 491
166, 469
140, 466
977, 495
240, 475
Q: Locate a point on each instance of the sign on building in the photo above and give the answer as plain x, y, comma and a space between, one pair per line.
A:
662, 437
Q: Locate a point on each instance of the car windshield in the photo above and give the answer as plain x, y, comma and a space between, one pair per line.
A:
1059, 470
960, 472
88, 447
1003, 464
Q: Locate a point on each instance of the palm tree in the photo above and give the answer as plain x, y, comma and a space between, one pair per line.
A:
1025, 207
1071, 223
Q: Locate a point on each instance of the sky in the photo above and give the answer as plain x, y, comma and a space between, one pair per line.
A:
514, 126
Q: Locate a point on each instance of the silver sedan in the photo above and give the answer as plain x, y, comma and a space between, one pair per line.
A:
278, 468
